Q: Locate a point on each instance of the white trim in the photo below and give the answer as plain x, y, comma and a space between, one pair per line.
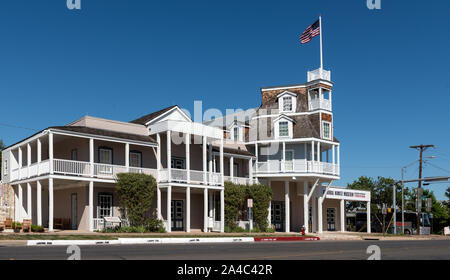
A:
155, 120
323, 130
293, 140
293, 114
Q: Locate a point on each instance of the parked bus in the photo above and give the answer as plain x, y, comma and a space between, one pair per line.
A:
410, 223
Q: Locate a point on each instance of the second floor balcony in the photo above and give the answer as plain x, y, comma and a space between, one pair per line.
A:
297, 166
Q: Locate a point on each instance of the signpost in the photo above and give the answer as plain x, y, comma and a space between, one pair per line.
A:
250, 214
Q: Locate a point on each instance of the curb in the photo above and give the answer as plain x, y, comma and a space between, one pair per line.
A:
136, 241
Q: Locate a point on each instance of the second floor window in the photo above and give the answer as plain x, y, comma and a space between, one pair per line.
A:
287, 104
135, 159
284, 129
327, 130
105, 155
178, 163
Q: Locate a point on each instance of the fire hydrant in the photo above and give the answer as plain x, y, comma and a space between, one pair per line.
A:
303, 230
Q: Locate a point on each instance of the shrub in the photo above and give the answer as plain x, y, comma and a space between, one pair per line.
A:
136, 193
152, 225
261, 195
36, 228
234, 229
234, 203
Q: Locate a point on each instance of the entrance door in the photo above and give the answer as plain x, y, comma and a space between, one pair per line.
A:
331, 219
73, 210
277, 214
177, 215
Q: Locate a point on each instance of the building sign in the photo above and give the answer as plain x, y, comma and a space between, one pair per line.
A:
347, 194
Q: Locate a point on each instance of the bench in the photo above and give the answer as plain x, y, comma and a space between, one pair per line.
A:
26, 225
8, 224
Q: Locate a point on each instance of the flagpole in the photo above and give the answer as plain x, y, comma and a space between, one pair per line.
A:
321, 49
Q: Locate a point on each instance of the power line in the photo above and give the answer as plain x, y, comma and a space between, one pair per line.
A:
16, 126
435, 166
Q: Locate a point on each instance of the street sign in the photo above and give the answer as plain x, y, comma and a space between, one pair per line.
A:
384, 210
428, 204
250, 203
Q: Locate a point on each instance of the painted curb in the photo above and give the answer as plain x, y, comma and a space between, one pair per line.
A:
136, 241
286, 238
71, 242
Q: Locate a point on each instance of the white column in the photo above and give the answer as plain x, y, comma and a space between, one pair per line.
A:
287, 208
169, 209
256, 154
91, 205
204, 160
158, 162
50, 152
91, 155
16, 203
188, 156
39, 203
338, 162
29, 197
28, 160
158, 203
319, 214
210, 167
369, 230
333, 159
319, 154
305, 206
231, 167
188, 209
312, 156
20, 161
50, 204
127, 156
205, 210
314, 212
222, 210
250, 170
169, 157
39, 156
20, 212
221, 162
342, 210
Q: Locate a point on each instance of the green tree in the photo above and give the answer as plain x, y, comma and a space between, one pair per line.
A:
261, 195
234, 203
136, 194
381, 192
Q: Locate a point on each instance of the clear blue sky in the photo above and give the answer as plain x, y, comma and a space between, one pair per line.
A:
120, 59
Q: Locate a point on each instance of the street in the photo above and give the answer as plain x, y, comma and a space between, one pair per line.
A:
320, 250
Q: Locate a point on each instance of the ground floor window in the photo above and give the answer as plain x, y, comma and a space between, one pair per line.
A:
105, 205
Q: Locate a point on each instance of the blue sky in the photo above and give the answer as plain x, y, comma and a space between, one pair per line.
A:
121, 59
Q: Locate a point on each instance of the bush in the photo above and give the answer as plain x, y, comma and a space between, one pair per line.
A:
136, 192
36, 228
152, 225
235, 203
234, 229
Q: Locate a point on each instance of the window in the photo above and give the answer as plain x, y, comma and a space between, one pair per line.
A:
178, 163
287, 104
283, 129
135, 159
74, 154
105, 205
326, 130
105, 155
236, 133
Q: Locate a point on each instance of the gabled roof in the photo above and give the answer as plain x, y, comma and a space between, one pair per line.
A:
283, 116
147, 118
286, 92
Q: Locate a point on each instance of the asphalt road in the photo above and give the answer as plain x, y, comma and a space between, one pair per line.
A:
319, 250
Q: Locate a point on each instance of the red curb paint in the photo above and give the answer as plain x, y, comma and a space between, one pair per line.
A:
285, 238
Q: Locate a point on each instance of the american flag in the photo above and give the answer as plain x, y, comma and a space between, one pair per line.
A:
310, 32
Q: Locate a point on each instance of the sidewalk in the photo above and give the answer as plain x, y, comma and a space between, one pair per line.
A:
375, 236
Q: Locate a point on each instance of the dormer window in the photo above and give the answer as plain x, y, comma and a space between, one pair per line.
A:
283, 129
236, 133
287, 104
287, 101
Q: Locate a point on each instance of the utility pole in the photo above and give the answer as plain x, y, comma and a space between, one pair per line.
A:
421, 148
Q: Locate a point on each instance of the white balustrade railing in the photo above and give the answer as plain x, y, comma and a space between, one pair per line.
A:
239, 180
320, 104
319, 74
297, 166
71, 167
195, 176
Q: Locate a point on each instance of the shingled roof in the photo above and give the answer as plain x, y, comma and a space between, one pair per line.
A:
145, 119
108, 133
